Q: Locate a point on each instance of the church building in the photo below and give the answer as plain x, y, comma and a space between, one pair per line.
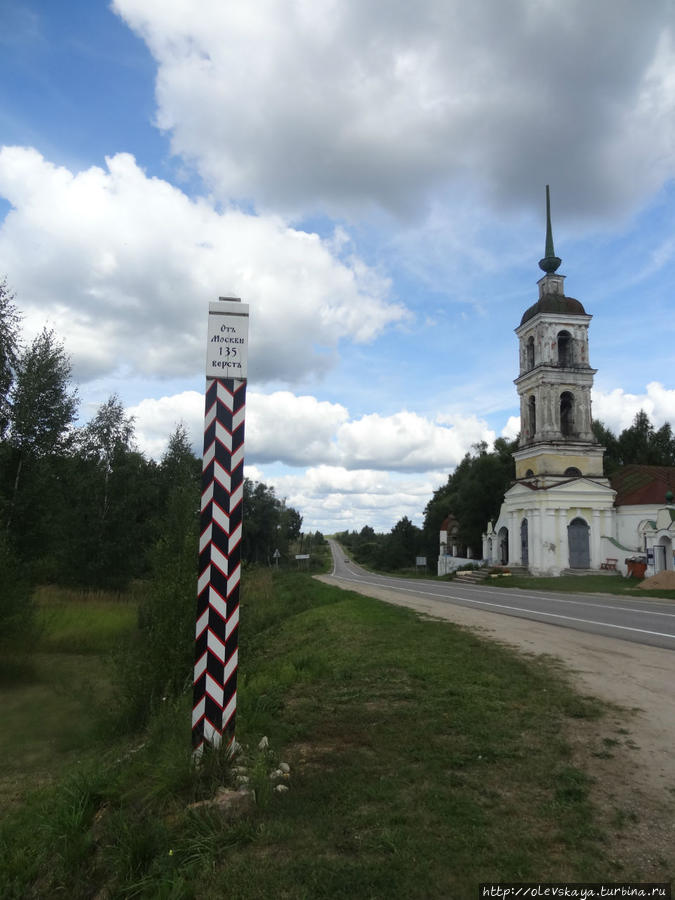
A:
561, 512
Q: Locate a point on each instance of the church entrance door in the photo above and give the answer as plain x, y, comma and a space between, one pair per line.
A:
524, 544
579, 546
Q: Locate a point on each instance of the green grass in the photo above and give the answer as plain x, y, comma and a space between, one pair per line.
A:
581, 584
52, 697
83, 622
423, 761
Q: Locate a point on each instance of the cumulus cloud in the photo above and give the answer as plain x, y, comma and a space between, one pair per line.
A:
512, 428
303, 431
123, 265
617, 409
156, 419
407, 441
340, 106
332, 498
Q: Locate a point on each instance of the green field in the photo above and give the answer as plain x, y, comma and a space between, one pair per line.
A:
423, 760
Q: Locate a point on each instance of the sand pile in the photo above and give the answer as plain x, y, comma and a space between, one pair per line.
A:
664, 581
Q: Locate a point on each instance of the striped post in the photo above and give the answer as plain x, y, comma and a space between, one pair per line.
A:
217, 630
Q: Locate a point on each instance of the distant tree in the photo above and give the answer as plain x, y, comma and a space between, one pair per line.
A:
116, 503
435, 512
105, 440
612, 458
638, 444
179, 465
10, 321
401, 546
473, 494
291, 523
663, 445
43, 408
269, 524
635, 443
44, 403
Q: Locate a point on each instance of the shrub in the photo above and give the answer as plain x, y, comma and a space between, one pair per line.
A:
157, 664
17, 608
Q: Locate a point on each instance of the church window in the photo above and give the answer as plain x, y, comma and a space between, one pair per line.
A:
532, 415
567, 414
564, 349
573, 472
530, 353
529, 474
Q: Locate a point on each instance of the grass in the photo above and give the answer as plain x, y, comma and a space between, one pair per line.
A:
423, 761
581, 584
51, 697
83, 622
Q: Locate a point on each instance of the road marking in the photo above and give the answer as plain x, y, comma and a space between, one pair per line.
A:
512, 608
558, 599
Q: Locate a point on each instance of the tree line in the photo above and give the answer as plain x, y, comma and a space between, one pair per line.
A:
80, 505
474, 492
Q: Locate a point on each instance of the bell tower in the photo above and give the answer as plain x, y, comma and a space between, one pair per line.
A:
554, 384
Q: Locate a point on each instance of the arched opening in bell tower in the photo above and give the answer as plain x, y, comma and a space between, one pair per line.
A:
530, 353
567, 414
564, 348
532, 416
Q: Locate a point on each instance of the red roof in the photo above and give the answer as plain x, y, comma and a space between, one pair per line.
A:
636, 485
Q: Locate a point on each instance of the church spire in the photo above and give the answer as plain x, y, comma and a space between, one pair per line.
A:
550, 262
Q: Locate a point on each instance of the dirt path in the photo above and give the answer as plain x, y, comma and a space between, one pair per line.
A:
632, 753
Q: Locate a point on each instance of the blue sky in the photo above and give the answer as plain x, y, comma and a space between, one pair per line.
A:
370, 179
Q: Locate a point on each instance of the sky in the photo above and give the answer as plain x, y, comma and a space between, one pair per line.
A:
370, 179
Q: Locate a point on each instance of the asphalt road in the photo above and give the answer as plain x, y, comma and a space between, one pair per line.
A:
650, 622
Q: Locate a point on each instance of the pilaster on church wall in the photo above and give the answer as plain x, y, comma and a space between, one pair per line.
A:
560, 559
549, 419
596, 539
514, 551
549, 539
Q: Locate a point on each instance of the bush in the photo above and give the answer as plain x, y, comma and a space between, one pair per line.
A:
157, 664
17, 609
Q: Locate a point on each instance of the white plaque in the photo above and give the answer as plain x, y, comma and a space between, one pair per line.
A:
227, 340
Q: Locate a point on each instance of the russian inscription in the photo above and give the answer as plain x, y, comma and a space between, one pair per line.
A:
227, 343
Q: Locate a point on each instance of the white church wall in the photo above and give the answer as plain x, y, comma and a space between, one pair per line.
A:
628, 521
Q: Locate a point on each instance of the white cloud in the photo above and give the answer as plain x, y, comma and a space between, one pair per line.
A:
512, 428
156, 419
617, 409
294, 430
323, 105
124, 265
303, 431
332, 498
406, 441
